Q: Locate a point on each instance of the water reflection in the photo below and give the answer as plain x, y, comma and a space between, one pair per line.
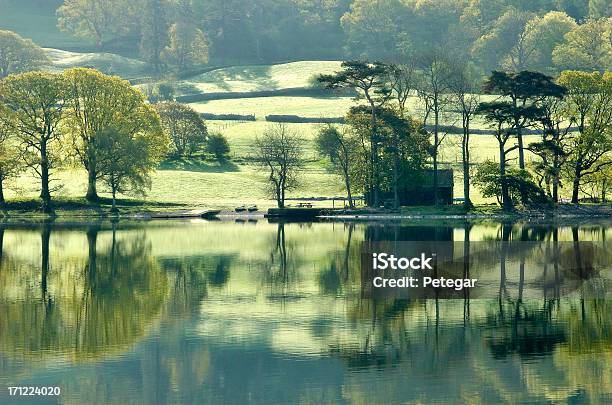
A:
229, 312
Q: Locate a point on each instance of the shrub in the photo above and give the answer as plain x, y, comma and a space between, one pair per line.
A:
217, 145
488, 180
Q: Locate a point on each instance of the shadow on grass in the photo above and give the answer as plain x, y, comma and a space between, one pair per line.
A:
199, 165
259, 75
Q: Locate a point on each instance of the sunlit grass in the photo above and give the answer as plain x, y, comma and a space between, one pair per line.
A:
257, 78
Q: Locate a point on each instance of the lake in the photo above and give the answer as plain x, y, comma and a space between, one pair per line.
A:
193, 312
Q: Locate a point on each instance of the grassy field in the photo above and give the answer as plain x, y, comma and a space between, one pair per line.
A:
107, 63
303, 106
257, 78
196, 183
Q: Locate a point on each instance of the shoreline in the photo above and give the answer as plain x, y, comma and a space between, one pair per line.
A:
452, 213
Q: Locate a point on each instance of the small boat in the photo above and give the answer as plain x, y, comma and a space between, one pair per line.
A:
242, 208
210, 214
253, 208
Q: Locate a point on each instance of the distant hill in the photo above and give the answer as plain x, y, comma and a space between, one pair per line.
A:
36, 19
107, 63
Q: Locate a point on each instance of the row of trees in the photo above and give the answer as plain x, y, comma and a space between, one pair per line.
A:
80, 117
166, 33
382, 149
498, 34
572, 115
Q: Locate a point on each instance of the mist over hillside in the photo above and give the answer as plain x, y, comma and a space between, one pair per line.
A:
543, 35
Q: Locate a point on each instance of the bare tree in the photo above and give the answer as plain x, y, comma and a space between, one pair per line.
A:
465, 90
341, 149
433, 90
280, 152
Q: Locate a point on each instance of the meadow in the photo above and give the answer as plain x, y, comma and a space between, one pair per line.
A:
207, 183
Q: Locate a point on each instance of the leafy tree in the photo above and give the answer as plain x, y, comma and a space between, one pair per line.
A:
600, 8
553, 148
589, 96
577, 9
505, 44
184, 127
154, 34
126, 162
98, 20
98, 102
18, 55
341, 149
34, 105
280, 152
492, 183
187, 46
524, 90
542, 35
501, 116
10, 157
372, 27
586, 47
217, 145
404, 150
370, 81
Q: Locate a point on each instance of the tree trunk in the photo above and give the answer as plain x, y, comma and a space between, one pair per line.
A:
374, 158
465, 144
114, 206
349, 196
521, 150
396, 198
435, 154
92, 194
2, 201
576, 183
45, 194
506, 201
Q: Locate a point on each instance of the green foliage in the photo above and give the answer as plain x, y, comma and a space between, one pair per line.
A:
588, 101
521, 187
11, 164
154, 34
342, 150
184, 127
403, 149
98, 20
217, 146
187, 46
19, 55
99, 102
125, 162
586, 47
33, 106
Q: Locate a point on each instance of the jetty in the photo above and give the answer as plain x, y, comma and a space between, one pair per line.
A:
306, 213
206, 214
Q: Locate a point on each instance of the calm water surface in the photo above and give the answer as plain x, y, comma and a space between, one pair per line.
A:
219, 312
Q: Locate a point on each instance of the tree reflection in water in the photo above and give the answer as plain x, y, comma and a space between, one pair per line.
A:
279, 315
81, 311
